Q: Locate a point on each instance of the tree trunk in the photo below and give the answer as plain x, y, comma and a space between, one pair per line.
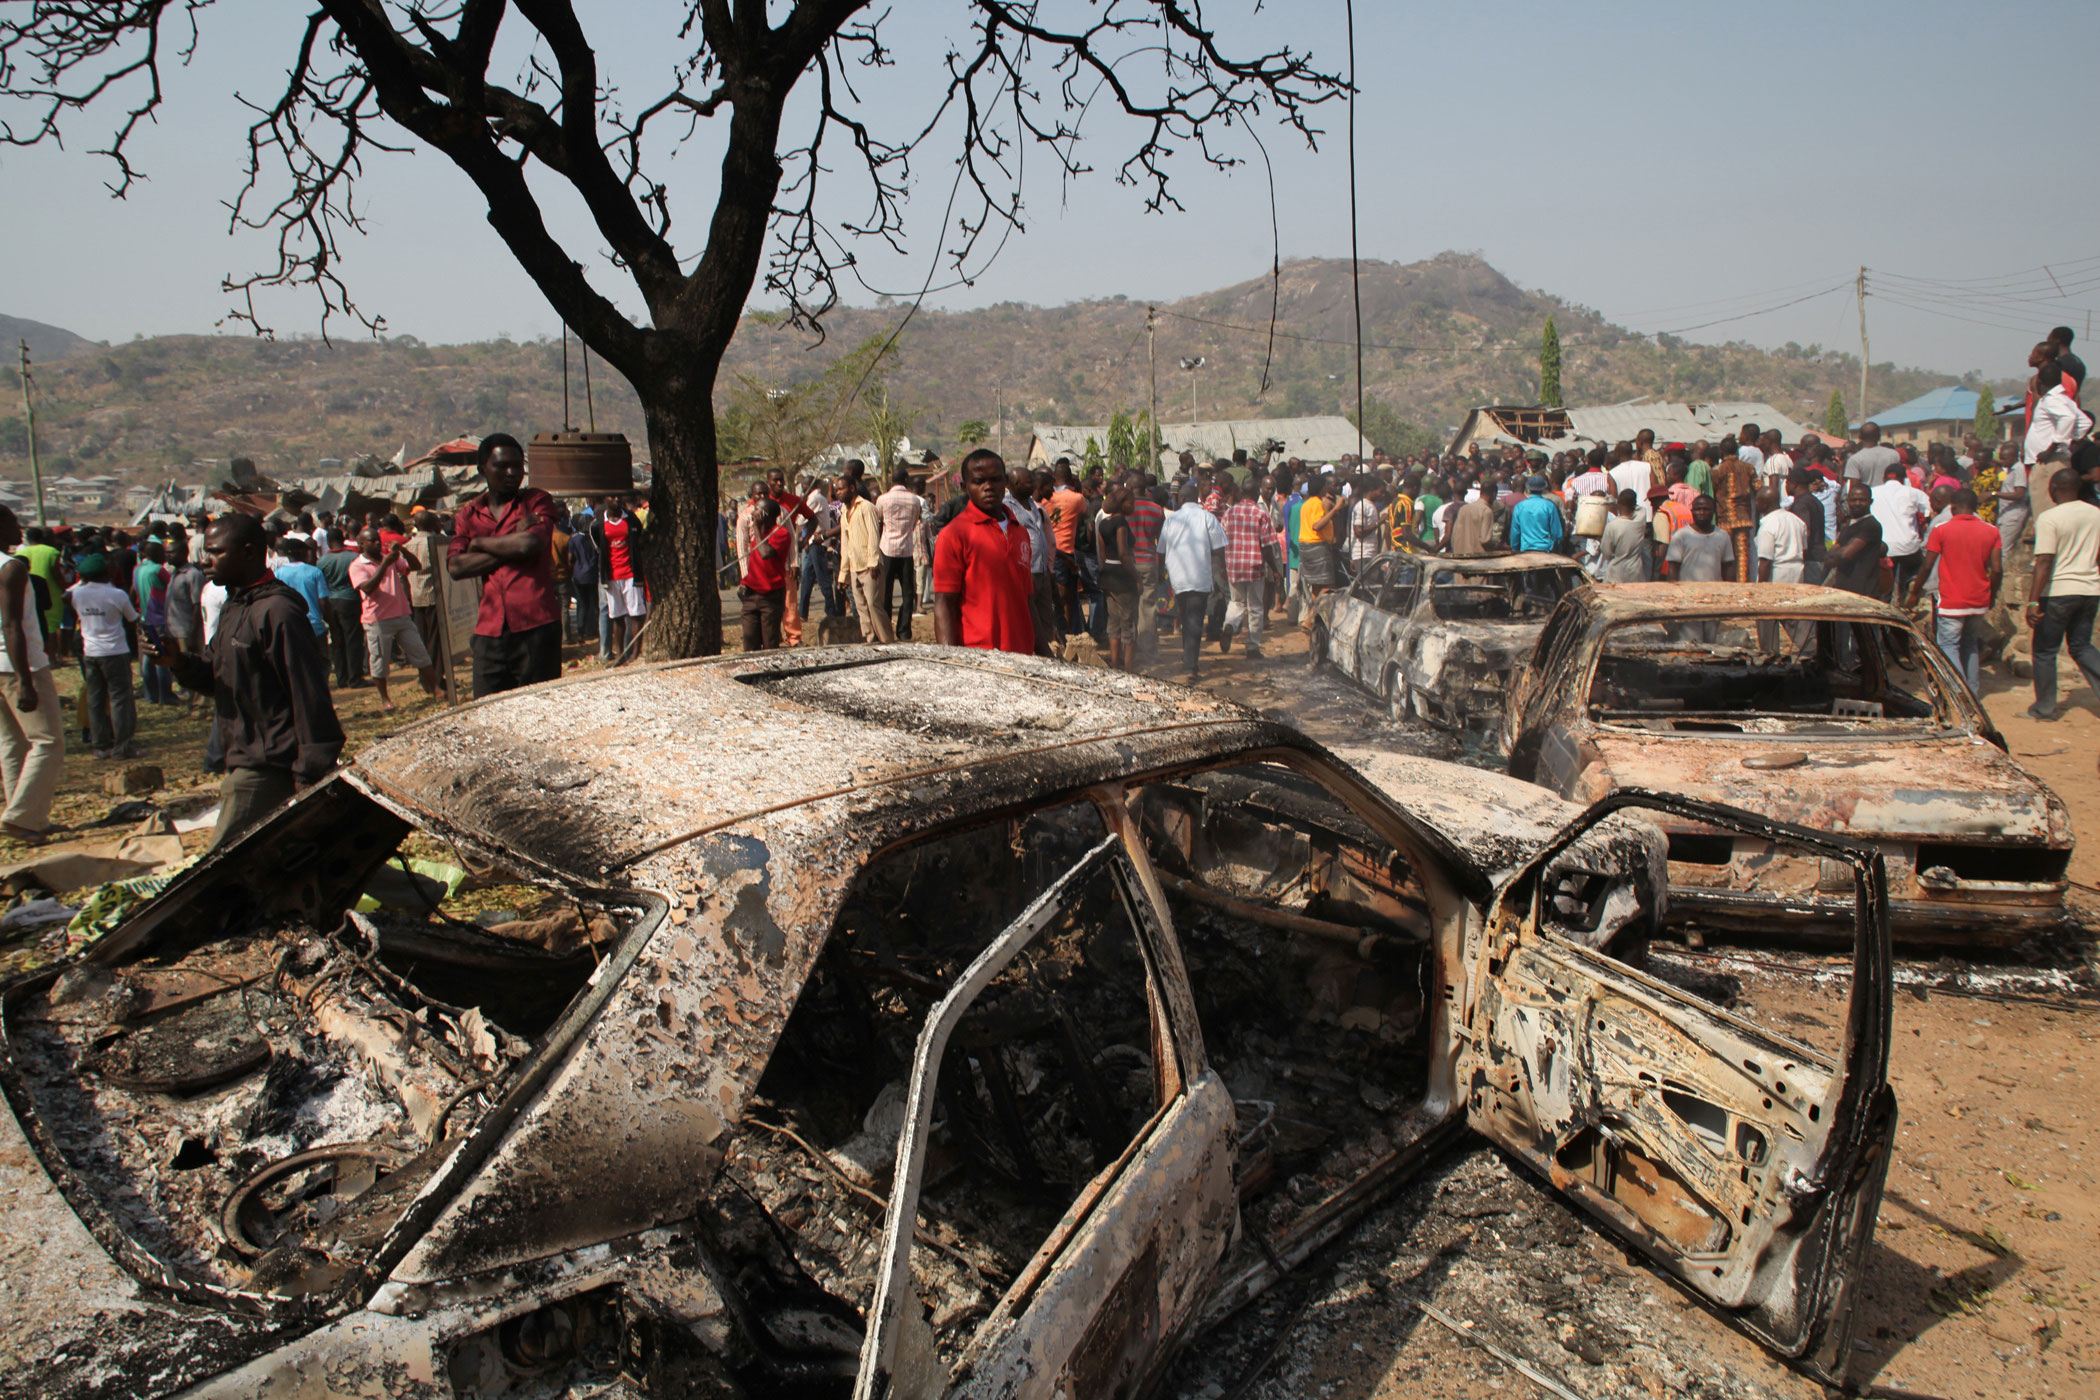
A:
685, 605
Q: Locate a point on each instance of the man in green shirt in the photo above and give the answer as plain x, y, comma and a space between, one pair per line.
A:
42, 557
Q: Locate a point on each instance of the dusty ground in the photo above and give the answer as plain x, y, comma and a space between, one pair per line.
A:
1983, 1280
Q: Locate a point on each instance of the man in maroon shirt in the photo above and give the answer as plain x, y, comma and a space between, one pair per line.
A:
981, 567
505, 538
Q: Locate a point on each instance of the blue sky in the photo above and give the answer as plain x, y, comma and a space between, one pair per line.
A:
1669, 165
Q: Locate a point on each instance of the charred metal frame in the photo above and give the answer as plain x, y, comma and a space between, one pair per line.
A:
1860, 1133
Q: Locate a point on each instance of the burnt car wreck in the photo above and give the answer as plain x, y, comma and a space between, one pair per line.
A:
1812, 706
1441, 639
930, 1023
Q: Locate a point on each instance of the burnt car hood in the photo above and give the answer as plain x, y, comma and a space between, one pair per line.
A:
76, 1324
1952, 788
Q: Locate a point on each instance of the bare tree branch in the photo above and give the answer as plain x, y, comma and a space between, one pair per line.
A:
69, 54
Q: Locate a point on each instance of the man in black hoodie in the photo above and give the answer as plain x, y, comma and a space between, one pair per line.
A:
267, 678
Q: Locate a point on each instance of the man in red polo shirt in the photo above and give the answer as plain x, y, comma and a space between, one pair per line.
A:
1969, 558
981, 566
505, 538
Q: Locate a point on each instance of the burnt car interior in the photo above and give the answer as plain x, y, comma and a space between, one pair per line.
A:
1501, 595
1047, 1080
251, 1092
1763, 676
1389, 584
1307, 941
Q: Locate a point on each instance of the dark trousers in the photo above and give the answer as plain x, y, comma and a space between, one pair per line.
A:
2067, 624
246, 796
1189, 611
427, 628
900, 570
1905, 567
516, 658
762, 614
112, 713
585, 628
820, 571
346, 641
157, 680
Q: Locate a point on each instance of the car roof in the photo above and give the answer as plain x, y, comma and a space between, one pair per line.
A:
819, 749
1613, 604
1495, 563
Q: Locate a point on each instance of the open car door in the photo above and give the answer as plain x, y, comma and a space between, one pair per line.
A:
1745, 1164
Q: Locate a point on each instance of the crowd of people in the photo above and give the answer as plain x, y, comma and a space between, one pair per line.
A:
1212, 550
253, 614
256, 612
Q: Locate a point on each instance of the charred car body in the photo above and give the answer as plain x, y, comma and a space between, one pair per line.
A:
1441, 639
1809, 705
946, 1023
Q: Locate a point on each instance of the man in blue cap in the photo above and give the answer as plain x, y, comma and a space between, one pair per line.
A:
1535, 523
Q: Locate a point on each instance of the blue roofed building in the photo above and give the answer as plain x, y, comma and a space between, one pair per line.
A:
1943, 415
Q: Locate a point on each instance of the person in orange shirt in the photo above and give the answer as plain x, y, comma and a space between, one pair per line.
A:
1067, 502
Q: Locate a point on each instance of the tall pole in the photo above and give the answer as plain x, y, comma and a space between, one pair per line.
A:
36, 474
1356, 295
1862, 345
1152, 377
999, 398
1193, 370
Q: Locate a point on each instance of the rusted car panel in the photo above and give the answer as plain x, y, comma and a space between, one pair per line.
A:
1594, 1072
799, 1119
1438, 638
1884, 749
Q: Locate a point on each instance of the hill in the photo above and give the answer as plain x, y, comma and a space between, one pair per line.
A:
1441, 336
45, 342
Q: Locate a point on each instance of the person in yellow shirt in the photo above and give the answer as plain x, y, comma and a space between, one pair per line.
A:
1316, 552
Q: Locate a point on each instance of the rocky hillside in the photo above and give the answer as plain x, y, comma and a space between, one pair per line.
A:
1441, 335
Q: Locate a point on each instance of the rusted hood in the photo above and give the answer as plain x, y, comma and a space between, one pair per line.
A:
1955, 788
76, 1325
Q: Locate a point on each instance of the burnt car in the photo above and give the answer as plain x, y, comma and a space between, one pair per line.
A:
1809, 705
1441, 639
940, 1023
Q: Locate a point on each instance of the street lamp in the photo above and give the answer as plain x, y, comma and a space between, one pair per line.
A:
1192, 365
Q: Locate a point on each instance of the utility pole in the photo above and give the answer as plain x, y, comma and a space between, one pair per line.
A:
36, 474
1862, 284
1152, 375
999, 432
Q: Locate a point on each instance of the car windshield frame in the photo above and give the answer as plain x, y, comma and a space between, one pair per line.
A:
1952, 708
1510, 583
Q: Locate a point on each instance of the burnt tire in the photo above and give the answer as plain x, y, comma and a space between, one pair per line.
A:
1399, 696
1316, 654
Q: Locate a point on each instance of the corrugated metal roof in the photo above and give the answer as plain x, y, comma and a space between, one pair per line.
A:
1322, 438
1951, 403
1679, 422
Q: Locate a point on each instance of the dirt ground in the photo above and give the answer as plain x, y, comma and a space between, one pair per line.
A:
1983, 1280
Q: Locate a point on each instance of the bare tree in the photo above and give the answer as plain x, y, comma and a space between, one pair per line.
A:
369, 75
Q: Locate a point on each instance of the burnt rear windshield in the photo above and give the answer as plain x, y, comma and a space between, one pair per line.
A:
1746, 674
1502, 596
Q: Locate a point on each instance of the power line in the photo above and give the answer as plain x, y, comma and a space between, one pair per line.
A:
1761, 311
1718, 302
